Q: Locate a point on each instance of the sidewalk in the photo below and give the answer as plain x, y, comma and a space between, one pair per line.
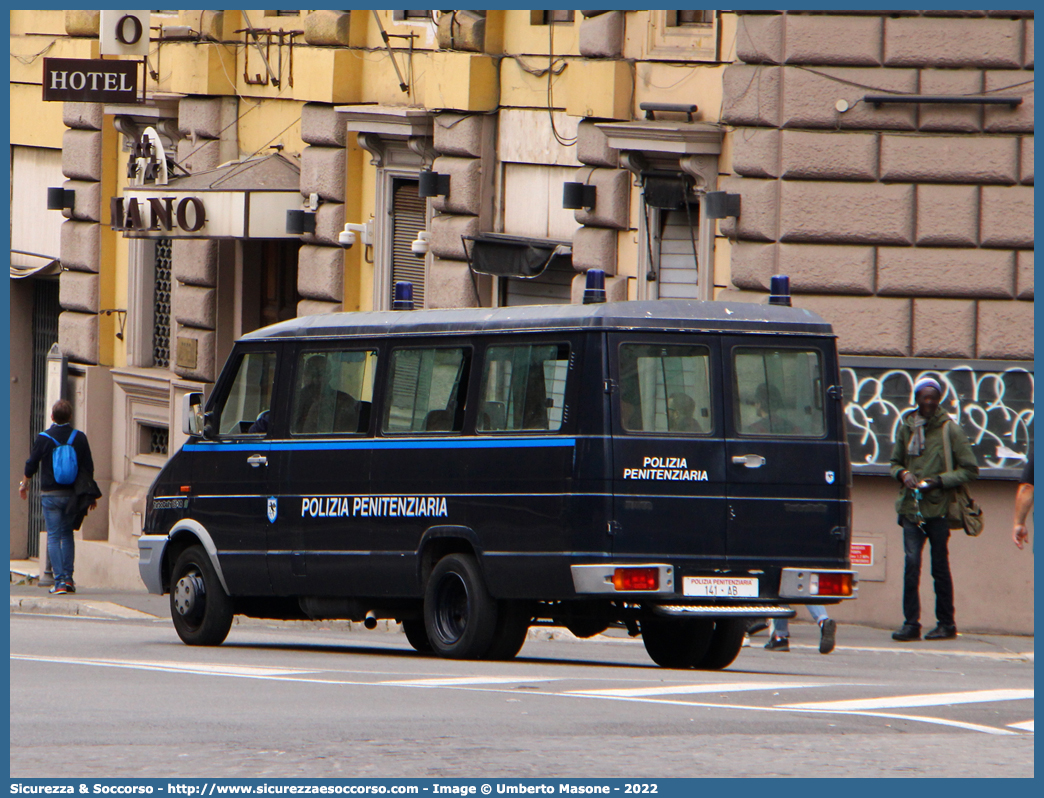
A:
28, 597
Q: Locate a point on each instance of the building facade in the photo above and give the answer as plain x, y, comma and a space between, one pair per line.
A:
884, 161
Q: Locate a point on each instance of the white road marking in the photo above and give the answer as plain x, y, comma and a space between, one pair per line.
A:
1026, 725
467, 681
927, 700
171, 667
785, 708
690, 689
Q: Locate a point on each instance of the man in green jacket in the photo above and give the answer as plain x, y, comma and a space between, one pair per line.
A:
927, 487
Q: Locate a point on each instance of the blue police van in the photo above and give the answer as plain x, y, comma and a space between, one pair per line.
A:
672, 467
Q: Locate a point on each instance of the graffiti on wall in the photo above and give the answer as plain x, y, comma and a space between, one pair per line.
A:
994, 408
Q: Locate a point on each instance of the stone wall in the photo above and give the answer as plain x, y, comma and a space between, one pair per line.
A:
320, 261
80, 281
908, 226
464, 145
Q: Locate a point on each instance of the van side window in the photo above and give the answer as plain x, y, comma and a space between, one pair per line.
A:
665, 389
523, 388
778, 392
332, 392
426, 390
250, 396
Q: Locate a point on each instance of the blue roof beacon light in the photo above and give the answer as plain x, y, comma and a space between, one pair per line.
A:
403, 296
594, 290
779, 290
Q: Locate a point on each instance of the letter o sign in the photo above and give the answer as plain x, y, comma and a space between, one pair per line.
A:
128, 30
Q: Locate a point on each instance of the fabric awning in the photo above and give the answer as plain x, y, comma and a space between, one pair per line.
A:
29, 264
516, 256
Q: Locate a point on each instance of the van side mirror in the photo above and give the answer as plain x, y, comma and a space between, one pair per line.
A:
192, 414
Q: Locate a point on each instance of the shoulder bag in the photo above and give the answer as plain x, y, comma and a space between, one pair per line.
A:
963, 513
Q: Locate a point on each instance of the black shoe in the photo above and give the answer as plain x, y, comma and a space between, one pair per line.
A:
908, 632
827, 633
58, 589
70, 587
942, 632
778, 644
756, 626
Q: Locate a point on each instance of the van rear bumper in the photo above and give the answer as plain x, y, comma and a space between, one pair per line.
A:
150, 561
588, 579
804, 583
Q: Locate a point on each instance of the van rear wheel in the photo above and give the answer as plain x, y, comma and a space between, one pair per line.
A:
416, 634
201, 610
513, 619
460, 616
725, 644
677, 642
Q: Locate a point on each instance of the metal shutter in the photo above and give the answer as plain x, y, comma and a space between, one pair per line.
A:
677, 269
409, 217
553, 287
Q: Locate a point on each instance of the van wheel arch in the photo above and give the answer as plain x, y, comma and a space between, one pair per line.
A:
185, 534
440, 541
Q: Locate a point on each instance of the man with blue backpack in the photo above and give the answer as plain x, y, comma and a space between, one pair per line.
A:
61, 454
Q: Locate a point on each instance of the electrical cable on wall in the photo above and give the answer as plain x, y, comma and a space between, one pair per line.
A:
550, 77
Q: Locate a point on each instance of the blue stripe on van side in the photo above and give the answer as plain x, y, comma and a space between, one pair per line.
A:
383, 443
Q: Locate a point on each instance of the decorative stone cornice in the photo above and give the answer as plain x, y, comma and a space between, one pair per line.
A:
667, 138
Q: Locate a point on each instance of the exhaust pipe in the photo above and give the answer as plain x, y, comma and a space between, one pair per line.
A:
370, 621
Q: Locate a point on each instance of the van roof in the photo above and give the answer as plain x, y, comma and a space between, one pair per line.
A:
661, 314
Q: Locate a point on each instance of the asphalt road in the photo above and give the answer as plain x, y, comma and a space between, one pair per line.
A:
122, 697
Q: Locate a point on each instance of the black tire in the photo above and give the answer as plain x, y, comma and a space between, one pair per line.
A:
513, 619
201, 610
416, 634
676, 642
460, 616
725, 644
585, 627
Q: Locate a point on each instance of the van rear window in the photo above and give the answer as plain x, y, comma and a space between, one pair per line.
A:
778, 392
523, 388
665, 389
426, 390
332, 392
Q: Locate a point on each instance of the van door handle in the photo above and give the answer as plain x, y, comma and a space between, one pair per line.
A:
256, 460
749, 460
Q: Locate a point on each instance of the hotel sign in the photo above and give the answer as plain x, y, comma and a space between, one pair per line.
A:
90, 80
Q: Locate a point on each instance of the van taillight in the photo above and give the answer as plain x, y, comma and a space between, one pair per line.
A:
830, 585
636, 578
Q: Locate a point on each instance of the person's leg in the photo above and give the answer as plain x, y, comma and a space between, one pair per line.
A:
780, 627
53, 512
913, 546
68, 544
818, 613
939, 537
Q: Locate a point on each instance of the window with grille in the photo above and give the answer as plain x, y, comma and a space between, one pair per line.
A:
153, 440
420, 14
161, 305
409, 217
678, 19
550, 17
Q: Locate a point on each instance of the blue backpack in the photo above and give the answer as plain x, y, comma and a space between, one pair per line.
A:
63, 460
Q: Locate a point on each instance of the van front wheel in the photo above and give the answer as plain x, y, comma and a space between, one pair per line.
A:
201, 610
459, 614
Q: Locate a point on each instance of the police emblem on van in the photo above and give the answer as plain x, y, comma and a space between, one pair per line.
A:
830, 477
273, 509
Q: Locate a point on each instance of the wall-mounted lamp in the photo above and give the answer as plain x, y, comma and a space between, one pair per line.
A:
300, 222
432, 184
58, 199
578, 195
720, 204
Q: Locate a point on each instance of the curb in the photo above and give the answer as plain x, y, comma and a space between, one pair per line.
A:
87, 609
